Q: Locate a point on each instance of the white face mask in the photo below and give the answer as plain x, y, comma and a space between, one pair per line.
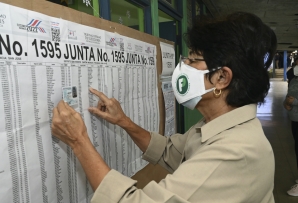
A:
188, 85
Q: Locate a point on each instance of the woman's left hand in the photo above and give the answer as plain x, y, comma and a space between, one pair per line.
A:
68, 125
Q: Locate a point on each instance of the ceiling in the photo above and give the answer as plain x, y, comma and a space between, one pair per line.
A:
280, 15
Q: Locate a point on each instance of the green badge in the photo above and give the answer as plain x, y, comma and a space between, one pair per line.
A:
182, 85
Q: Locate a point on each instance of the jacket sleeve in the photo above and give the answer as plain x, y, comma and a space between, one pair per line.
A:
166, 151
116, 187
214, 169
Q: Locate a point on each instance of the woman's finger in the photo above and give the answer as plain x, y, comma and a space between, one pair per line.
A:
69, 108
100, 104
101, 95
61, 106
98, 112
55, 112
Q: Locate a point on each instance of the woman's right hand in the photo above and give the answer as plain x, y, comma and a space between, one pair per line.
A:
109, 109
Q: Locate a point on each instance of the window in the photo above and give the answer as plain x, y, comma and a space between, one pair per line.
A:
193, 11
127, 14
171, 3
87, 6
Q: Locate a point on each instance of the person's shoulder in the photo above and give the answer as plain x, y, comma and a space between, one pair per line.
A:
244, 133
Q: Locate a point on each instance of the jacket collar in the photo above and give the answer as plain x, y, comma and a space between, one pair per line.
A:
228, 120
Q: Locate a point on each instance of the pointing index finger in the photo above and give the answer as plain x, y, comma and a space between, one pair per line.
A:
101, 95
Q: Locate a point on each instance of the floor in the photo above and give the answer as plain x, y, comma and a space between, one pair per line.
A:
277, 127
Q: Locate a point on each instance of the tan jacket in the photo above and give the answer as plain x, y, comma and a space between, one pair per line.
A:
226, 160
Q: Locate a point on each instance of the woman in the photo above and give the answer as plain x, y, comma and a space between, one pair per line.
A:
290, 72
291, 104
223, 158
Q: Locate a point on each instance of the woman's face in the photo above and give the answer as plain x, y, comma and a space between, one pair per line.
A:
200, 65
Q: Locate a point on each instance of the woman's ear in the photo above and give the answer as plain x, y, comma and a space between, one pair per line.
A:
224, 77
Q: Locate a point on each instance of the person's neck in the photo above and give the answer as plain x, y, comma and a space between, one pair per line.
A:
214, 109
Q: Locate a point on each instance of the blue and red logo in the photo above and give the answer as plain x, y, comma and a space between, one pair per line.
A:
112, 42
35, 24
32, 26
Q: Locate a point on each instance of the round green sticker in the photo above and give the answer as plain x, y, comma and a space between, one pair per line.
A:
182, 84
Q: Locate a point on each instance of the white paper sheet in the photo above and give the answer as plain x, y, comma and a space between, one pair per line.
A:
168, 59
38, 56
169, 99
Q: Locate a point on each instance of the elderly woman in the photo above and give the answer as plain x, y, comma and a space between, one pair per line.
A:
225, 157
